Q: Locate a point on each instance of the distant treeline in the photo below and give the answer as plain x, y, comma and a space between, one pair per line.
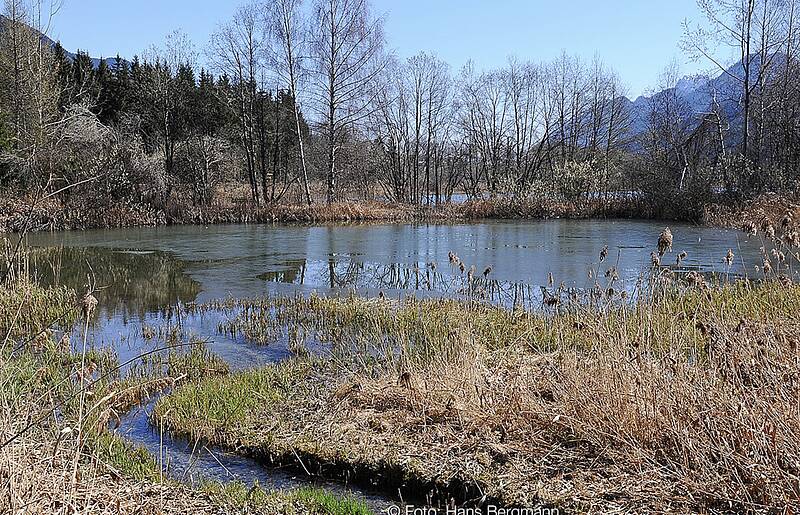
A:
303, 103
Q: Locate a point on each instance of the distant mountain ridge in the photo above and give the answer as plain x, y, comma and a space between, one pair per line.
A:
110, 61
698, 92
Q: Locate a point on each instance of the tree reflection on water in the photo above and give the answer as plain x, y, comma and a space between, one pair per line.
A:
132, 283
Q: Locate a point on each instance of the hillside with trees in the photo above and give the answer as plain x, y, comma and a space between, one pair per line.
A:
304, 104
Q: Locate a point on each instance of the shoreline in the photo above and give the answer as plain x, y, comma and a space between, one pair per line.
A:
52, 216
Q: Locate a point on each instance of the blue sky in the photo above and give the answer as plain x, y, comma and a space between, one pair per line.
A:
636, 37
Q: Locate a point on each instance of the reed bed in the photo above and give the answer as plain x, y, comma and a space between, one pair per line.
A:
233, 207
684, 403
52, 216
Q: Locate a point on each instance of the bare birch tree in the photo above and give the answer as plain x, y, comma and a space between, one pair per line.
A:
347, 57
288, 30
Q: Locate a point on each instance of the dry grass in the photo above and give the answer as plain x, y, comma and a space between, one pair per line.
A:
690, 403
769, 206
232, 207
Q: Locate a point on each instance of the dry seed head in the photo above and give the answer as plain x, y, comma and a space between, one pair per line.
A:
693, 278
786, 221
680, 258
769, 230
64, 342
779, 256
729, 257
461, 267
404, 380
487, 271
664, 241
767, 267
604, 253
550, 278
655, 260
88, 304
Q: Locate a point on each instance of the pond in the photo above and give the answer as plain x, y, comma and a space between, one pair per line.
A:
146, 269
143, 277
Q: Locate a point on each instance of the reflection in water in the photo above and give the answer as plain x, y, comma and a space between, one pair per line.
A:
294, 272
342, 273
135, 283
252, 260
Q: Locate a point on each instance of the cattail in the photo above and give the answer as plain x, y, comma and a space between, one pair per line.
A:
604, 253
664, 241
680, 258
88, 304
64, 342
404, 380
779, 256
551, 300
729, 257
655, 260
487, 271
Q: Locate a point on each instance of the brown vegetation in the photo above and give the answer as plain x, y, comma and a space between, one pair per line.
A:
16, 215
686, 404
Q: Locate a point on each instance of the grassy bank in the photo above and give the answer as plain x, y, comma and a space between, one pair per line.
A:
56, 453
689, 403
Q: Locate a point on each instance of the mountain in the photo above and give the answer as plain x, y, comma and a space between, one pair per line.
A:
110, 61
697, 93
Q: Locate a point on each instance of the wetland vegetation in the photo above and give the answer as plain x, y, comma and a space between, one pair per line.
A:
672, 390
